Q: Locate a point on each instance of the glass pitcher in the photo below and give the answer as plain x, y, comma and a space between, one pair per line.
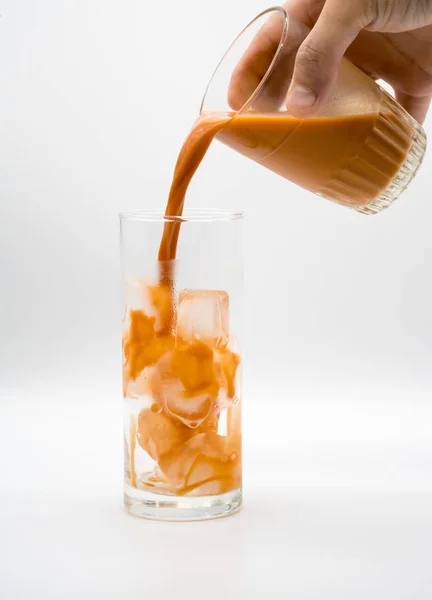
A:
361, 150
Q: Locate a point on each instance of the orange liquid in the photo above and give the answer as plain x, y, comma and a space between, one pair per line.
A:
188, 161
349, 159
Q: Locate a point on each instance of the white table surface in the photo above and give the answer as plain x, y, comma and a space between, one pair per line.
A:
342, 513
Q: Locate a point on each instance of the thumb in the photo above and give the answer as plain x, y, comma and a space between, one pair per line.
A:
318, 57
416, 106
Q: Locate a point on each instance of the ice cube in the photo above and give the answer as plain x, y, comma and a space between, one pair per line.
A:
213, 487
157, 433
139, 388
228, 363
184, 383
210, 423
194, 365
141, 346
153, 300
202, 460
203, 315
190, 409
154, 481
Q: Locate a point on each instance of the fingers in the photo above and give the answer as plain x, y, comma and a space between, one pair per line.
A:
318, 58
417, 106
257, 58
255, 61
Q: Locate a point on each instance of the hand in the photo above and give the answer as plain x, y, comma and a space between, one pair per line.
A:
388, 39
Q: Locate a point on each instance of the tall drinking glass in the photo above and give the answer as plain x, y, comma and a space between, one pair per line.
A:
182, 366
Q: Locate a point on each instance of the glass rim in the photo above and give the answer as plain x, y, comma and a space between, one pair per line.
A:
190, 215
265, 78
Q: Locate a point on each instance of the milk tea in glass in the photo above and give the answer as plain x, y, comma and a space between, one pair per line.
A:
182, 365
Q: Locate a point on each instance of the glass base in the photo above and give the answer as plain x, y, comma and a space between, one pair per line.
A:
401, 129
406, 173
148, 505
388, 159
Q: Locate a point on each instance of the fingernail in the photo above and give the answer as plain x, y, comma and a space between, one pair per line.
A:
302, 97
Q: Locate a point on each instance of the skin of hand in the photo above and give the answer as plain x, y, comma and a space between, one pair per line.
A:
388, 39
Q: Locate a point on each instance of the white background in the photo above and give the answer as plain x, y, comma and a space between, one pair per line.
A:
96, 97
